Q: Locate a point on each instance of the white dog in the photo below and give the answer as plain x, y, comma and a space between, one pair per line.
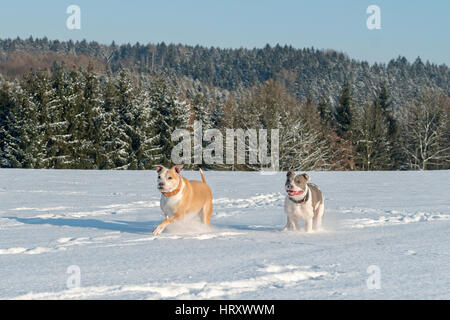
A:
304, 201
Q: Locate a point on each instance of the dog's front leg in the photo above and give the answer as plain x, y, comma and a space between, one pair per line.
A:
308, 224
159, 229
291, 224
287, 226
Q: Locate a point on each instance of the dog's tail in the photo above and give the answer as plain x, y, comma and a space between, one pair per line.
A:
203, 176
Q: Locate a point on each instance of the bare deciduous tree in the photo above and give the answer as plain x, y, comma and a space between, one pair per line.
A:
372, 144
425, 132
301, 148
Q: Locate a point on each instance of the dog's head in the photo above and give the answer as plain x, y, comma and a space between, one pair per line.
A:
168, 179
296, 183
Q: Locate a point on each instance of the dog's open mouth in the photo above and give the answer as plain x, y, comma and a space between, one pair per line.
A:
294, 193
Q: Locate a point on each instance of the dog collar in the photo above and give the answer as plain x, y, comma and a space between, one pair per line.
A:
303, 200
174, 192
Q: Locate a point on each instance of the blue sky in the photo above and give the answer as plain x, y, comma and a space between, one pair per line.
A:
409, 28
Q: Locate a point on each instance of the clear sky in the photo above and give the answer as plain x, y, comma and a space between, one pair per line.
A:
409, 28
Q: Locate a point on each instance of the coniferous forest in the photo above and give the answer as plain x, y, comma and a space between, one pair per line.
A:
80, 105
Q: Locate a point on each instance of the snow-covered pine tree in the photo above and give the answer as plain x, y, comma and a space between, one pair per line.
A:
57, 150
11, 153
123, 139
200, 114
144, 140
69, 105
91, 120
168, 114
75, 115
218, 116
345, 113
41, 105
324, 109
109, 118
386, 106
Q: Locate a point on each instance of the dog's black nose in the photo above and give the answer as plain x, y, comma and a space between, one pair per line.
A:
161, 184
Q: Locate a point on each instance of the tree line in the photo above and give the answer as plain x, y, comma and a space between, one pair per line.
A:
306, 72
69, 120
80, 119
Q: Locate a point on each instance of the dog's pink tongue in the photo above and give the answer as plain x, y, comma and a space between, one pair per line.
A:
294, 193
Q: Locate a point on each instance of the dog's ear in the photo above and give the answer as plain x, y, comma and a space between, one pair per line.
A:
290, 173
178, 168
158, 168
304, 175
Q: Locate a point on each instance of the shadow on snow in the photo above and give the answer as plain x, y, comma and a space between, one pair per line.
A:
116, 225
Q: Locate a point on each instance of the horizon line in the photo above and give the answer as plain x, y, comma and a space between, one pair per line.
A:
228, 48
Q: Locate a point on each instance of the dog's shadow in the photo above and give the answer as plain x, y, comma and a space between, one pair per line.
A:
249, 227
115, 225
137, 227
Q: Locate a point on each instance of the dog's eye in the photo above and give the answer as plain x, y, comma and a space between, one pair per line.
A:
170, 178
159, 177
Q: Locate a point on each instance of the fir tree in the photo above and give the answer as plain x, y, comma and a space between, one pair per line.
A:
145, 142
11, 155
324, 110
384, 103
75, 114
57, 154
123, 140
168, 114
345, 114
91, 120
43, 109
109, 119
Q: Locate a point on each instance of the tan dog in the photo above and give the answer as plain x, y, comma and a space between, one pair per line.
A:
180, 196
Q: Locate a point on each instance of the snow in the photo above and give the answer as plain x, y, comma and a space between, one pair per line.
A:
101, 221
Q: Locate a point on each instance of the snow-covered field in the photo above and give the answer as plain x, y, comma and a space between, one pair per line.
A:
101, 222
